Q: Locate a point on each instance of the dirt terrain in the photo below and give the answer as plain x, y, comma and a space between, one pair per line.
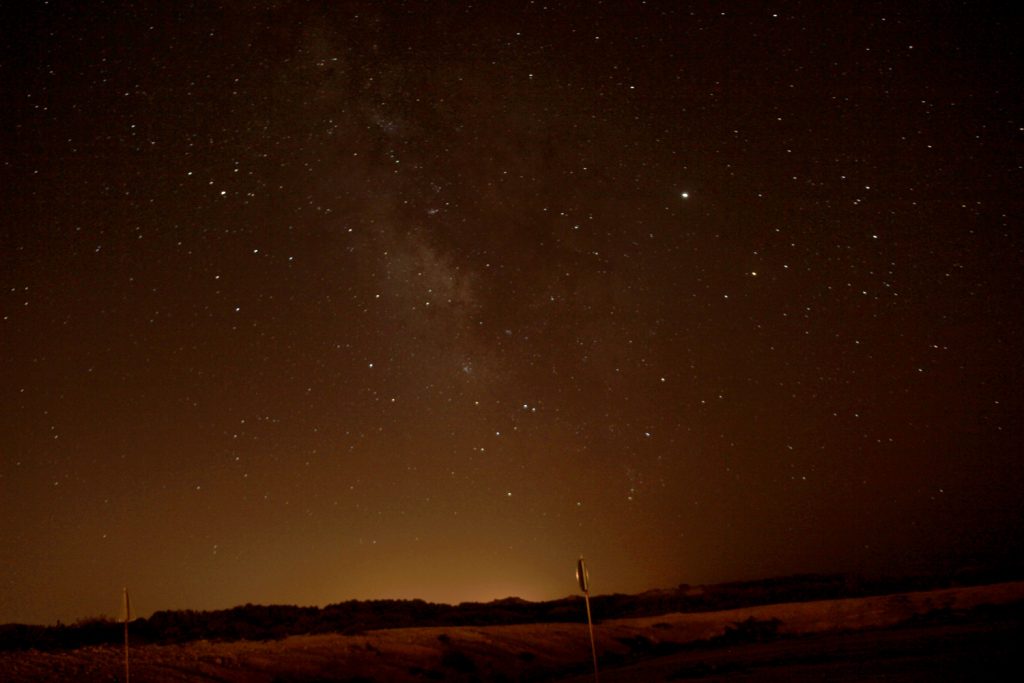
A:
953, 634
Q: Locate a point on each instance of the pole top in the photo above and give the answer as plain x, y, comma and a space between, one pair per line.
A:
582, 576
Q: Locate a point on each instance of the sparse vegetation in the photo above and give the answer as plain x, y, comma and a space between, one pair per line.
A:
940, 629
273, 622
751, 631
457, 660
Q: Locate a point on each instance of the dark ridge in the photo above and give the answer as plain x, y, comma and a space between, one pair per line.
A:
270, 622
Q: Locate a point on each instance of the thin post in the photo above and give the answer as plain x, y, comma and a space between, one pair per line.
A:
583, 577
127, 616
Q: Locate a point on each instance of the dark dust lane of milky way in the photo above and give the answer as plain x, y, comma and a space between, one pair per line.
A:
305, 302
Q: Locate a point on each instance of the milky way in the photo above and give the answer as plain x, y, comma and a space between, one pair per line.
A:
305, 302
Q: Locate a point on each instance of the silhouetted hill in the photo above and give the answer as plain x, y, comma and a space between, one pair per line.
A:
269, 622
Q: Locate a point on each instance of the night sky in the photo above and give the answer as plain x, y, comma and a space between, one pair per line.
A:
311, 301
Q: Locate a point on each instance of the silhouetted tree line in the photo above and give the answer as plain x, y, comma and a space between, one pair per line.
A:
270, 622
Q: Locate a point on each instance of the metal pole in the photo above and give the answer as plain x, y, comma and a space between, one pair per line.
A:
590, 625
127, 615
583, 577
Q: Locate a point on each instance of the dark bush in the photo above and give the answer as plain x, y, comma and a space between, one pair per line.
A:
458, 661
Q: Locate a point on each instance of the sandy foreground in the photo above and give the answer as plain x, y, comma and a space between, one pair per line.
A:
822, 640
